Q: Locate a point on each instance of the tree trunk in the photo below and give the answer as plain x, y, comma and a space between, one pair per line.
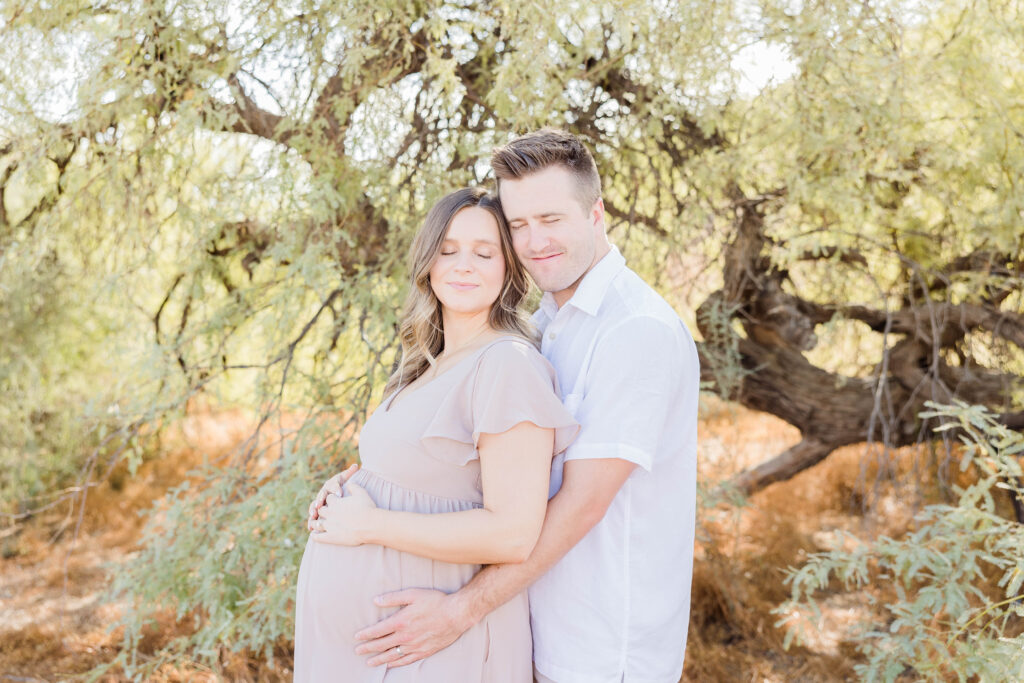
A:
829, 409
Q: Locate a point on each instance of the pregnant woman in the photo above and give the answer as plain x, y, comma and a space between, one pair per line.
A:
455, 463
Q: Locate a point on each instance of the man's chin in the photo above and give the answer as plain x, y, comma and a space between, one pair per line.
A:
548, 285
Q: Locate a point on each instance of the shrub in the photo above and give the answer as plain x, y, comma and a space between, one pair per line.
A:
957, 575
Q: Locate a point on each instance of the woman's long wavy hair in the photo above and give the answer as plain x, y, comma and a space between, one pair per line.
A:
421, 329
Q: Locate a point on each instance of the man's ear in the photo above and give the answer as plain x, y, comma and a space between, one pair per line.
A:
597, 212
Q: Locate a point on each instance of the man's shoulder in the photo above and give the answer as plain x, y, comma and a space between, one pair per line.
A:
630, 297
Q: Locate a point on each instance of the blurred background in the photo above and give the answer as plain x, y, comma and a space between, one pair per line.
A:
204, 213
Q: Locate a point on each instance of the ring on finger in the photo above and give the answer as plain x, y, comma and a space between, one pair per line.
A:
398, 650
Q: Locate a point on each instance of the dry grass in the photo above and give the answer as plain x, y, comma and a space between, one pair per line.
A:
53, 624
743, 553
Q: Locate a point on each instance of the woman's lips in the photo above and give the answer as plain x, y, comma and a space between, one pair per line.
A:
461, 286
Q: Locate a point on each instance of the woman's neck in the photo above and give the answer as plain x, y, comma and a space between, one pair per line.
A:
461, 332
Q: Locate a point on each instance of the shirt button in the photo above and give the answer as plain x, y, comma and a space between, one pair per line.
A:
551, 335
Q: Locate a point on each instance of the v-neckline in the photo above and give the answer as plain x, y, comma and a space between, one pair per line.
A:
390, 402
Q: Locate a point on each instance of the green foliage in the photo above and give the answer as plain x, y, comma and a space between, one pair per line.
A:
224, 550
894, 141
52, 368
722, 358
956, 576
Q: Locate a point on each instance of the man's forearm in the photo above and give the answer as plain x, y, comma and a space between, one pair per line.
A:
570, 515
428, 623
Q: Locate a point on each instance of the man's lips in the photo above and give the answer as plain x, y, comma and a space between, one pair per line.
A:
545, 259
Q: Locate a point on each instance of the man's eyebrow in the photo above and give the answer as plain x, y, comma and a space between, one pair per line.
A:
547, 214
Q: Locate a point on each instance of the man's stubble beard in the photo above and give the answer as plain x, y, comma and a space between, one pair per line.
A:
557, 282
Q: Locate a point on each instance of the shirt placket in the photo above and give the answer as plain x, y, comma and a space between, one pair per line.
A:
553, 330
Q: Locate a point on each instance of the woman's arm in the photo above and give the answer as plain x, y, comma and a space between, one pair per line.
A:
515, 467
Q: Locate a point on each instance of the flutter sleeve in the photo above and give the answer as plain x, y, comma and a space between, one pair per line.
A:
512, 383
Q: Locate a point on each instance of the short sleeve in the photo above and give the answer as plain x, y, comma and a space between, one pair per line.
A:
511, 383
515, 384
633, 382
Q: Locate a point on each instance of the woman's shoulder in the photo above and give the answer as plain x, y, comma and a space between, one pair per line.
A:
516, 384
512, 358
511, 350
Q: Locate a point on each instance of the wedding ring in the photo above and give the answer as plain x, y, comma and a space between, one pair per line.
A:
398, 649
320, 526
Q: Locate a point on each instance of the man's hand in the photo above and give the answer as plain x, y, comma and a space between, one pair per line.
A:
332, 485
428, 622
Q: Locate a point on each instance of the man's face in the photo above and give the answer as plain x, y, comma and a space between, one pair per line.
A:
554, 236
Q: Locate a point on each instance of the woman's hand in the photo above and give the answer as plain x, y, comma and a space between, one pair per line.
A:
347, 520
332, 485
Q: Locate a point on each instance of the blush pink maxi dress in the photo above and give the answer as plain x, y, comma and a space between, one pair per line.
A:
419, 455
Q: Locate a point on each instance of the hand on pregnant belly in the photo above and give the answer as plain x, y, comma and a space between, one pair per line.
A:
345, 520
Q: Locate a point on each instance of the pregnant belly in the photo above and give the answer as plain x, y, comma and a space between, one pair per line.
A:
337, 584
336, 589
335, 599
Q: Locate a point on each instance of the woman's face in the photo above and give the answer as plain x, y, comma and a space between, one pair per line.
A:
469, 272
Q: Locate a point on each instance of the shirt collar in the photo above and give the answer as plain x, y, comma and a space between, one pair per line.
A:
591, 290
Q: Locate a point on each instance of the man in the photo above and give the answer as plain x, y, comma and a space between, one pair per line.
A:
609, 578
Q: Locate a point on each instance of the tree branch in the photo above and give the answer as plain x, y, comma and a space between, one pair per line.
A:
783, 466
952, 321
633, 217
850, 257
255, 120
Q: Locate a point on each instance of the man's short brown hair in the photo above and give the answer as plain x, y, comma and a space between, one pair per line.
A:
546, 147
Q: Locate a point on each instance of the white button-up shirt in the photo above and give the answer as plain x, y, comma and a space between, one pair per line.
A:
616, 607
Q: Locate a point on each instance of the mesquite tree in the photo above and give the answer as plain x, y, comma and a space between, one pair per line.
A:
894, 215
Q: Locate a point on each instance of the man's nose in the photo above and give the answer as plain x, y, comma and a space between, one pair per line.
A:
537, 239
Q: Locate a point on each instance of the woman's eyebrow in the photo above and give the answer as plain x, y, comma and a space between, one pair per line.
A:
484, 241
